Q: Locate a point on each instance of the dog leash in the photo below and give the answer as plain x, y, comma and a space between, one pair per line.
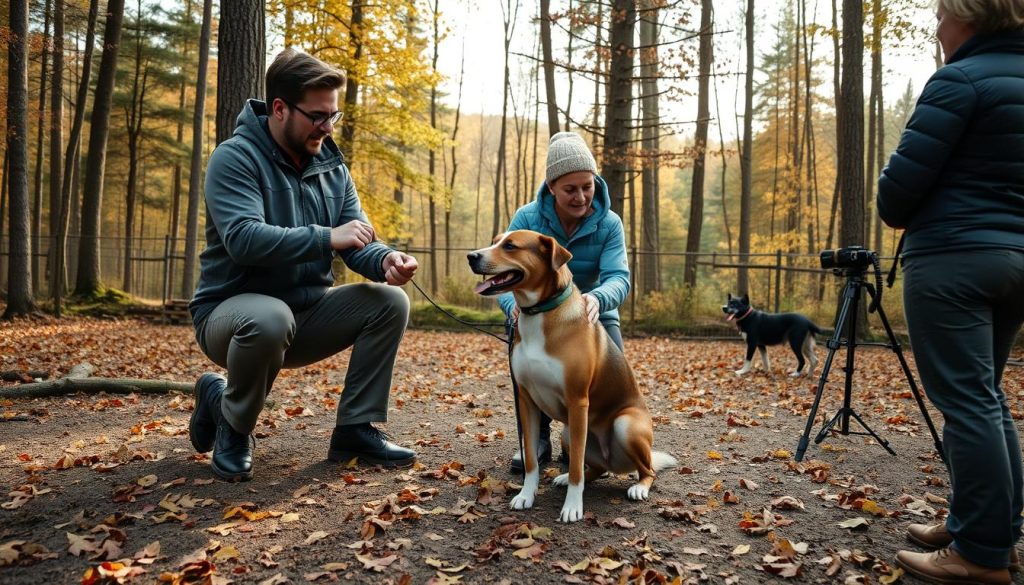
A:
466, 323
510, 332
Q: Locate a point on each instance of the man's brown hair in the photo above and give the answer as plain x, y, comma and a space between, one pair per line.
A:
294, 72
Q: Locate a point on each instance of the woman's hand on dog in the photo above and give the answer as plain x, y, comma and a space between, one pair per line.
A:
592, 306
399, 268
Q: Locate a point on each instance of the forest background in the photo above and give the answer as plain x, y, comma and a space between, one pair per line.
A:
738, 138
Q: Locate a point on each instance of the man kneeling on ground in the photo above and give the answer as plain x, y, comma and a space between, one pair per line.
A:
280, 204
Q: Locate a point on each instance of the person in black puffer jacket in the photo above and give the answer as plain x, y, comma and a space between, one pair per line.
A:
956, 185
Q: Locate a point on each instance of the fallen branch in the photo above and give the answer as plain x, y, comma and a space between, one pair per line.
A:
94, 386
29, 376
78, 380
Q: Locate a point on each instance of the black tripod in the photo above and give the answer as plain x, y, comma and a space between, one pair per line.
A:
848, 318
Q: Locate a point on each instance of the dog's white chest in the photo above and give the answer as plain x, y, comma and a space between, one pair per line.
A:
540, 373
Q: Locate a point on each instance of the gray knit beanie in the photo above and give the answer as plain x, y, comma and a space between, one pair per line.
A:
568, 153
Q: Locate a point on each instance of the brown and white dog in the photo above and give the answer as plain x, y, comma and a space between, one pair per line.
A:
568, 368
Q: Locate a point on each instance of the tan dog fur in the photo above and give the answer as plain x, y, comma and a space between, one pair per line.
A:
568, 368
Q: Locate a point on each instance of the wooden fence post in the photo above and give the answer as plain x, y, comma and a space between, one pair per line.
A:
778, 277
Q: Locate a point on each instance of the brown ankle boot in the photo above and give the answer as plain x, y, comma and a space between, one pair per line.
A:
934, 536
930, 536
947, 566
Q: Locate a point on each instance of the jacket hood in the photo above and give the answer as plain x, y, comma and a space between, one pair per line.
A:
602, 204
252, 125
1002, 42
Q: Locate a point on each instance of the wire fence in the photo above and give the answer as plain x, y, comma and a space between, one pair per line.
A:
778, 282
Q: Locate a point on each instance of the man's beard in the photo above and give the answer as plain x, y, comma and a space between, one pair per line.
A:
299, 144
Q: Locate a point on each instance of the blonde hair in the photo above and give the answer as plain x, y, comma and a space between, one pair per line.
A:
986, 16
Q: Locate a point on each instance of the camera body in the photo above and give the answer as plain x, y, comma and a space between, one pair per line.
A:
850, 257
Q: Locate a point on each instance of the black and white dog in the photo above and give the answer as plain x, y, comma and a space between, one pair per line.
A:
761, 329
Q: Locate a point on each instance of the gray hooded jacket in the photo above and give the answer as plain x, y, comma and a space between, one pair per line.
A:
268, 225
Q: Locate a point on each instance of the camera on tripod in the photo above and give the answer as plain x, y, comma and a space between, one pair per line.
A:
850, 258
852, 262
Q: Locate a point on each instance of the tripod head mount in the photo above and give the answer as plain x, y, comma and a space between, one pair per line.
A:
852, 262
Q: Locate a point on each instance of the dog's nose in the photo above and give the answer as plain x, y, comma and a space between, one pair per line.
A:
473, 256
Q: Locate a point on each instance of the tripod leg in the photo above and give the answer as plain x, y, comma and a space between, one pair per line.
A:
894, 344
834, 343
881, 441
828, 426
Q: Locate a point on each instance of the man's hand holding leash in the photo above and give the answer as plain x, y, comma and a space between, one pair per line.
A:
399, 268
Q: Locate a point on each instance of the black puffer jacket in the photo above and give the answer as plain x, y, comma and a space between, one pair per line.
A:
956, 181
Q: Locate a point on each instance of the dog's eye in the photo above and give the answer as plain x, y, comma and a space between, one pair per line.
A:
508, 246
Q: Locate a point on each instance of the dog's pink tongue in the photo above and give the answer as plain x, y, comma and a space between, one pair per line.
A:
730, 317
481, 287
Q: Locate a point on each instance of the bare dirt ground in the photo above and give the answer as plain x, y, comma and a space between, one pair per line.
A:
107, 486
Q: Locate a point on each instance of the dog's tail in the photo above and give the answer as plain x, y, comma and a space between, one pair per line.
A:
662, 460
815, 329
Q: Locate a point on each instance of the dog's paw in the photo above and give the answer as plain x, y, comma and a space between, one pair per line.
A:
571, 512
741, 372
522, 501
795, 374
638, 492
561, 480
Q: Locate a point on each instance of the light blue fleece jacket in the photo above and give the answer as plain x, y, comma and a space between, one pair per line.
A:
598, 248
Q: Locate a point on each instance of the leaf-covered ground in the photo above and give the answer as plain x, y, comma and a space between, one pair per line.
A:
108, 487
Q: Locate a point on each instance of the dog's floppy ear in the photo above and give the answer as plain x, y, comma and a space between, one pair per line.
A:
728, 296
559, 256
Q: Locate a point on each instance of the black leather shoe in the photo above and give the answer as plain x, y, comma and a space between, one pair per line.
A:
232, 453
368, 444
545, 455
202, 426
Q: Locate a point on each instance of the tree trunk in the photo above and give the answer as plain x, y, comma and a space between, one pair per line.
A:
879, 120
851, 148
700, 142
499, 173
746, 158
88, 282
873, 95
647, 22
134, 117
431, 160
571, 79
881, 154
348, 123
196, 166
37, 188
175, 218
450, 199
19, 266
241, 54
619, 112
851, 119
550, 97
724, 171
838, 90
808, 152
289, 25
596, 139
793, 183
56, 144
4, 183
71, 161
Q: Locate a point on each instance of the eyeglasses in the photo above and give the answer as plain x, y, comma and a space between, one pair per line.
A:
319, 119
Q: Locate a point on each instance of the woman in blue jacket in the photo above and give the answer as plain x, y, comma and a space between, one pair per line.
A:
573, 207
956, 185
